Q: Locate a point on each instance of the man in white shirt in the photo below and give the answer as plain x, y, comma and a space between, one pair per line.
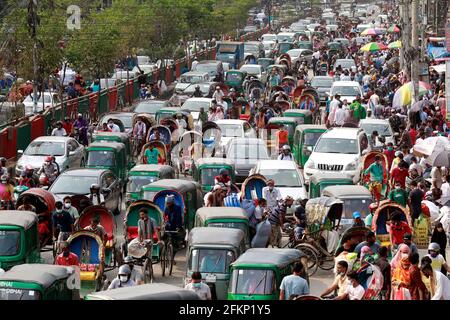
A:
442, 289
345, 76
271, 194
114, 127
194, 64
196, 285
339, 117
354, 290
218, 95
415, 165
334, 104
59, 131
445, 188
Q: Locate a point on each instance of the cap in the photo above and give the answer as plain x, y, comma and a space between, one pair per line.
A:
407, 236
170, 198
49, 159
356, 215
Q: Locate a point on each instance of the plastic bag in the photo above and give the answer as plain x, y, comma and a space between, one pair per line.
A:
136, 249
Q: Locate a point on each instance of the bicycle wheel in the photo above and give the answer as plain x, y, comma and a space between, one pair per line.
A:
162, 257
170, 257
326, 262
311, 255
148, 270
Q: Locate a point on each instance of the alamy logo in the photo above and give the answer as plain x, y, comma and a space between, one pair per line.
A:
74, 20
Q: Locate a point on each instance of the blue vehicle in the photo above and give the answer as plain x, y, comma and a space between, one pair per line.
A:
231, 52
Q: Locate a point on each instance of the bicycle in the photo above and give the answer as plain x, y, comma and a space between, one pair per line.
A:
169, 251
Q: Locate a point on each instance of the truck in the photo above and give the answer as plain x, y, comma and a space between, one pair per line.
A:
230, 52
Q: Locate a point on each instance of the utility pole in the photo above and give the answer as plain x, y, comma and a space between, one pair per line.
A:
33, 22
414, 50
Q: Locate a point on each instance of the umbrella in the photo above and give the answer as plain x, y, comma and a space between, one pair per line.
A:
393, 29
373, 46
403, 95
442, 159
434, 149
372, 32
395, 45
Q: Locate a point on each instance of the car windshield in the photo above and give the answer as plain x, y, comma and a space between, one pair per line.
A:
248, 151
252, 69
283, 177
192, 105
234, 76
66, 184
252, 281
204, 88
310, 138
251, 47
268, 45
231, 130
9, 243
191, 79
125, 119
337, 145
206, 68
135, 183
284, 38
345, 91
383, 129
294, 53
207, 176
210, 261
18, 294
345, 64
45, 148
149, 107
101, 158
321, 83
269, 37
352, 205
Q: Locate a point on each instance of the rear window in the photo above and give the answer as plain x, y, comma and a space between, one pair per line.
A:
9, 243
253, 281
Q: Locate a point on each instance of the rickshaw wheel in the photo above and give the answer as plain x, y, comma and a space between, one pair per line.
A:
148, 270
170, 257
326, 263
311, 255
162, 258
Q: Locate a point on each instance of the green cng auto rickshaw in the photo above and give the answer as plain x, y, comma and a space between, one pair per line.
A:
288, 122
211, 251
108, 155
19, 240
115, 137
321, 180
189, 191
150, 291
266, 62
305, 138
257, 273
284, 47
235, 79
143, 174
206, 169
40, 282
223, 217
305, 116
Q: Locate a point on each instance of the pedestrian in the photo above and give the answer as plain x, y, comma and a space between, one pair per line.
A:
66, 258
294, 283
399, 195
59, 131
407, 239
271, 194
439, 283
401, 280
399, 174
376, 172
417, 288
416, 196
69, 208
196, 285
383, 264
276, 219
437, 259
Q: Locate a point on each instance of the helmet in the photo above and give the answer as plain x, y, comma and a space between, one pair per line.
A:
4, 178
48, 159
197, 87
124, 270
218, 88
95, 186
397, 153
223, 171
433, 246
286, 147
2, 159
128, 259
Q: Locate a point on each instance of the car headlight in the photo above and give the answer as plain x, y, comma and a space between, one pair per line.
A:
309, 164
350, 166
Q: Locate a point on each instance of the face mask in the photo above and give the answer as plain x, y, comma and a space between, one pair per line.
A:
405, 255
196, 284
111, 125
433, 254
123, 279
271, 188
397, 187
59, 211
390, 148
67, 205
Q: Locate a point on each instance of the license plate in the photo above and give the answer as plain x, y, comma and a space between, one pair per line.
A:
210, 278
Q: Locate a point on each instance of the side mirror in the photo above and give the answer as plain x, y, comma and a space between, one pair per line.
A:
45, 187
19, 152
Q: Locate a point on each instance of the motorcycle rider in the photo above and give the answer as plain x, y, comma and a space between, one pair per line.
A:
81, 127
197, 93
6, 192
49, 170
34, 178
3, 169
123, 278
286, 153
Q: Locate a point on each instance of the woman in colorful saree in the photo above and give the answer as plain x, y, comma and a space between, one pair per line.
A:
401, 280
402, 252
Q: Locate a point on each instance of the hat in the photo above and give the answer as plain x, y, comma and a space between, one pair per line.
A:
356, 215
407, 236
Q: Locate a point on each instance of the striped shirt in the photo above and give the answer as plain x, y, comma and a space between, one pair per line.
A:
277, 214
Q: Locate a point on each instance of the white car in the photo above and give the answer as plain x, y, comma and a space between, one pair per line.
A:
188, 78
268, 37
193, 105
147, 68
346, 64
300, 55
45, 100
348, 90
286, 175
67, 151
253, 70
269, 47
231, 128
382, 126
338, 150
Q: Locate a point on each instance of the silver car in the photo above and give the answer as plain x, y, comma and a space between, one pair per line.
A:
67, 151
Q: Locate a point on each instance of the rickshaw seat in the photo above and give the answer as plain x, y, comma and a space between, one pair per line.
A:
132, 233
88, 275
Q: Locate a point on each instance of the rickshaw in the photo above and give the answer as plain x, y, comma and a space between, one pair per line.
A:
120, 137
80, 202
235, 79
208, 246
39, 282
310, 100
111, 156
90, 251
170, 113
304, 116
150, 291
107, 221
44, 202
164, 133
206, 169
250, 59
367, 160
149, 122
189, 148
354, 197
223, 217
285, 60
251, 188
162, 149
305, 138
356, 234
281, 68
323, 216
19, 240
290, 123
282, 105
289, 84
145, 258
276, 92
258, 272
191, 194
321, 180
211, 138
143, 174
254, 84
382, 217
266, 62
